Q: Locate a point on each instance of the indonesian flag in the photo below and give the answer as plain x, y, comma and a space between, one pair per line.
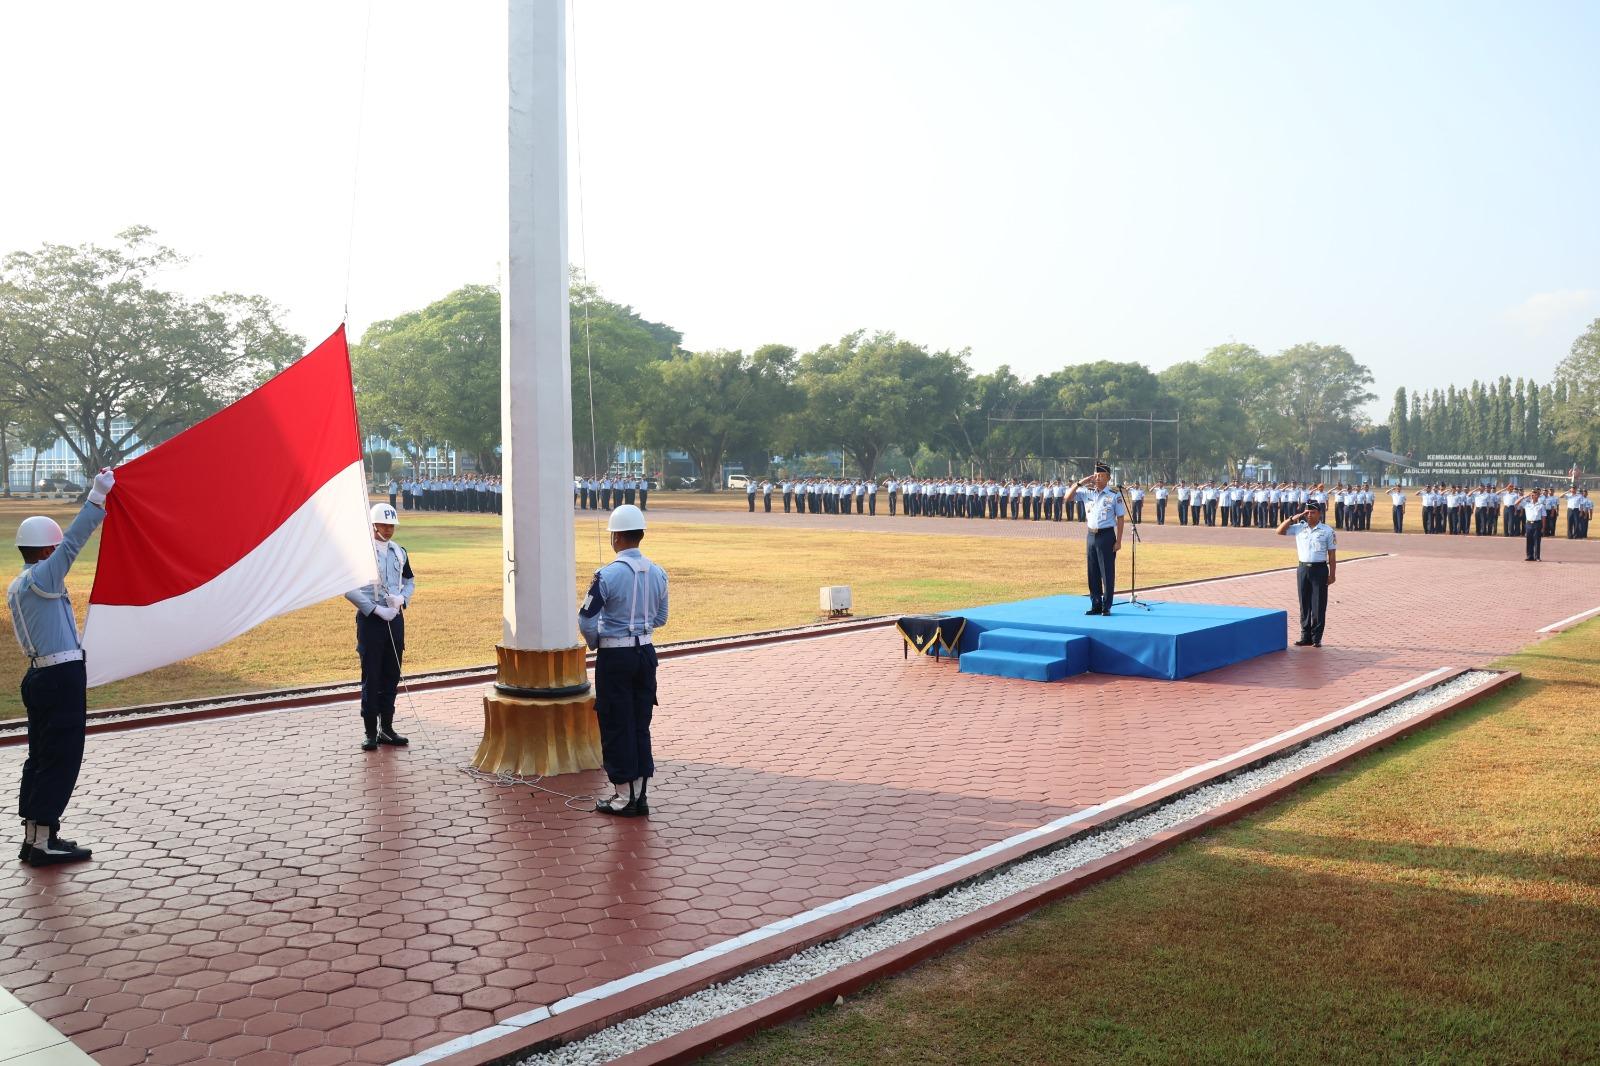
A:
259, 510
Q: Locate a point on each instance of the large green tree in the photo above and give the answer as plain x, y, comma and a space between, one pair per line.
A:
1578, 424
92, 343
433, 376
1323, 390
613, 351
713, 404
866, 393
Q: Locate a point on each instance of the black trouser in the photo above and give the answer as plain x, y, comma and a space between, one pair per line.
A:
872, 503
893, 501
766, 502
644, 499
1550, 524
1535, 538
1138, 511
1399, 514
1183, 512
1161, 512
624, 702
56, 698
750, 497
381, 646
627, 494
1312, 579
1102, 554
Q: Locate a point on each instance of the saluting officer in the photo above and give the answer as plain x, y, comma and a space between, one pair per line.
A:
1316, 544
626, 604
1397, 508
381, 630
1105, 516
55, 688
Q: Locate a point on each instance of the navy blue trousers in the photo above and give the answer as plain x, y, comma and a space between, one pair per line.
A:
624, 702
56, 698
380, 664
1102, 567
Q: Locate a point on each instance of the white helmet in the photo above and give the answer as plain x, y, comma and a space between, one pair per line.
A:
626, 519
38, 532
383, 515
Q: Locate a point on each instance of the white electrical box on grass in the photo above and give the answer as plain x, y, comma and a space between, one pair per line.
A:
834, 600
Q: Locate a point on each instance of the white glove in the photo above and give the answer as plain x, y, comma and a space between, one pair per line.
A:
103, 483
397, 601
385, 613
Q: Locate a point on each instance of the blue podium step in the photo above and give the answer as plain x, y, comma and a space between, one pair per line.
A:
1032, 655
1014, 664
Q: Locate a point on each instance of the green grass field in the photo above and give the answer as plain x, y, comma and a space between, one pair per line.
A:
725, 580
1436, 902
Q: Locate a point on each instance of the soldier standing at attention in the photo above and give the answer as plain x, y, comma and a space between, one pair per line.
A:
626, 604
381, 630
1315, 543
766, 497
1397, 508
55, 687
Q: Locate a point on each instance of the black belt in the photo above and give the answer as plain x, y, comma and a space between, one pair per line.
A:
1324, 562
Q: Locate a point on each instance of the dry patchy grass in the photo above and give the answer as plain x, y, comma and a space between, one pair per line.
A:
1435, 902
725, 579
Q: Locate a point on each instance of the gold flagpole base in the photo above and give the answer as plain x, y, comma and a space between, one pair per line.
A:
538, 717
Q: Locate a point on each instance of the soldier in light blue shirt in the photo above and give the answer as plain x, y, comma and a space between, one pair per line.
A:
1315, 544
381, 630
55, 688
1105, 515
625, 605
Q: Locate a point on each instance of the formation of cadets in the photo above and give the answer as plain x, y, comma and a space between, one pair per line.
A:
608, 493
1243, 504
472, 493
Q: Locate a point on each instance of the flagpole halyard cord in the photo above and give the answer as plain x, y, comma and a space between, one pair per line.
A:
583, 256
355, 167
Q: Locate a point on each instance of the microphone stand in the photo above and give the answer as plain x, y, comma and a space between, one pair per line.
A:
1133, 575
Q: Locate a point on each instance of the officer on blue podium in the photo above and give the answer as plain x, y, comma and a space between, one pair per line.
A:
1104, 514
55, 688
625, 605
1316, 544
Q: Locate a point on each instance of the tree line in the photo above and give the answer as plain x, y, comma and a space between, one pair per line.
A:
95, 351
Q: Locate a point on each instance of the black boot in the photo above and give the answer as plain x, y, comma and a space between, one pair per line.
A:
623, 806
47, 849
641, 805
371, 743
27, 839
387, 735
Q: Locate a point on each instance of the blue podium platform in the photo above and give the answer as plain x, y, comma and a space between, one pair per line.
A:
1170, 640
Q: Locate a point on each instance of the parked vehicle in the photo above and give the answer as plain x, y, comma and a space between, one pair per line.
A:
58, 484
738, 481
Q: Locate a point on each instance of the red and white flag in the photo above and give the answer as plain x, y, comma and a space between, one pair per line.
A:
259, 510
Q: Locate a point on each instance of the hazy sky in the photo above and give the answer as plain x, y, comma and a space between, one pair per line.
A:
1043, 182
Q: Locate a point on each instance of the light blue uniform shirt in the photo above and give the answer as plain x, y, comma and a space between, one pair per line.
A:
1313, 543
41, 613
1102, 508
628, 598
394, 576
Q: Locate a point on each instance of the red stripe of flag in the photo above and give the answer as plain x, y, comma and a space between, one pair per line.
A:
186, 511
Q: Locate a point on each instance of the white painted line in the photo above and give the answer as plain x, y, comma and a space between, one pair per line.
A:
1553, 626
772, 929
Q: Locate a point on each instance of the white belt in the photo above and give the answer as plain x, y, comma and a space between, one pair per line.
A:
624, 642
39, 662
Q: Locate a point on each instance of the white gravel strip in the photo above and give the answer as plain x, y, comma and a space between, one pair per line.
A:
808, 965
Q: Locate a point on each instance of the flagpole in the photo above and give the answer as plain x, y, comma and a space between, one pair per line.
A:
538, 717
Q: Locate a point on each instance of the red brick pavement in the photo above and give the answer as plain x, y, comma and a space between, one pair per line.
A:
265, 893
